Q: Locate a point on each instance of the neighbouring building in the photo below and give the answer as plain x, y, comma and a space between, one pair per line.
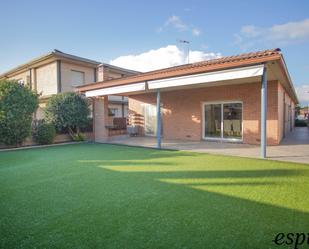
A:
58, 72
304, 112
247, 98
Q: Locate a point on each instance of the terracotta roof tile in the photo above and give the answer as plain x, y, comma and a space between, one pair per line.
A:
198, 67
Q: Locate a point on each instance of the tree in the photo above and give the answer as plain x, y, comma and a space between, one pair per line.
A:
69, 111
17, 105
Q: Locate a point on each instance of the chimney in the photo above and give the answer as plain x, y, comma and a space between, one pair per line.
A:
100, 71
103, 72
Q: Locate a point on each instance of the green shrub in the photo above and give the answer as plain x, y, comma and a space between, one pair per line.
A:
301, 123
45, 133
79, 137
17, 105
68, 111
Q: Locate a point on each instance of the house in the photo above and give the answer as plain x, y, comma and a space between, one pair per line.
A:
58, 72
247, 98
304, 112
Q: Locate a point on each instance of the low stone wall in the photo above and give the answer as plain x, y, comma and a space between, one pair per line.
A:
60, 138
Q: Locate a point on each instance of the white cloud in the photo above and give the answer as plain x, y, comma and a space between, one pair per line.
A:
303, 94
251, 31
196, 32
163, 57
176, 23
278, 35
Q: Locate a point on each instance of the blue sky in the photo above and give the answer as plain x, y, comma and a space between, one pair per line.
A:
109, 30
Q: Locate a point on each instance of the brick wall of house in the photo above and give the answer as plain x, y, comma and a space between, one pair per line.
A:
22, 76
286, 112
100, 108
182, 110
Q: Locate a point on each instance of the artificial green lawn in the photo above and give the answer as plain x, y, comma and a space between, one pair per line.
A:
106, 196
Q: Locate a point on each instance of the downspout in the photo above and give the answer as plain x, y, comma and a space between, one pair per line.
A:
95, 75
93, 117
58, 76
122, 106
30, 78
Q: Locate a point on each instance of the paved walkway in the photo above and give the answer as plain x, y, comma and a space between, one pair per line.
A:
294, 148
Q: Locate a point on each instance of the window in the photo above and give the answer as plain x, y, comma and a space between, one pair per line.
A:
232, 120
150, 119
213, 120
77, 78
223, 121
113, 112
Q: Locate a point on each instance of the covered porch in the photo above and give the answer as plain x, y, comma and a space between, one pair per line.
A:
234, 99
154, 115
294, 147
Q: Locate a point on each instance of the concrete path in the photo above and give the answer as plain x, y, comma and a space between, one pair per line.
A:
294, 148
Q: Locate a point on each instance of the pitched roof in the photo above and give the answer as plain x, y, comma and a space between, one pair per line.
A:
73, 57
198, 67
54, 52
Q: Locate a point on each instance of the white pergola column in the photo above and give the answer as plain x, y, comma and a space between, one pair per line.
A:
264, 113
158, 119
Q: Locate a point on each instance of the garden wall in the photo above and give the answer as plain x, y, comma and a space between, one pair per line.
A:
60, 138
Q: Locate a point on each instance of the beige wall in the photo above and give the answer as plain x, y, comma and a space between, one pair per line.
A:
46, 79
106, 73
182, 110
67, 84
40, 111
114, 75
25, 76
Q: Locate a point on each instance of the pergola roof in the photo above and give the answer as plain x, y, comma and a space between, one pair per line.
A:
224, 63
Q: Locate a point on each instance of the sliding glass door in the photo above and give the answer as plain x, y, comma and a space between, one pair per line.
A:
223, 121
232, 120
150, 118
213, 120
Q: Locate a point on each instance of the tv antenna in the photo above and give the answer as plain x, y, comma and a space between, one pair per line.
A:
187, 43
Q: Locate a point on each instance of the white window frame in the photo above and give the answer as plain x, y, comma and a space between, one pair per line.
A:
221, 138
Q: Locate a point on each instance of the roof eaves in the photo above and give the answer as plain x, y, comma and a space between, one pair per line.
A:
119, 68
288, 77
74, 57
56, 53
177, 72
27, 64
